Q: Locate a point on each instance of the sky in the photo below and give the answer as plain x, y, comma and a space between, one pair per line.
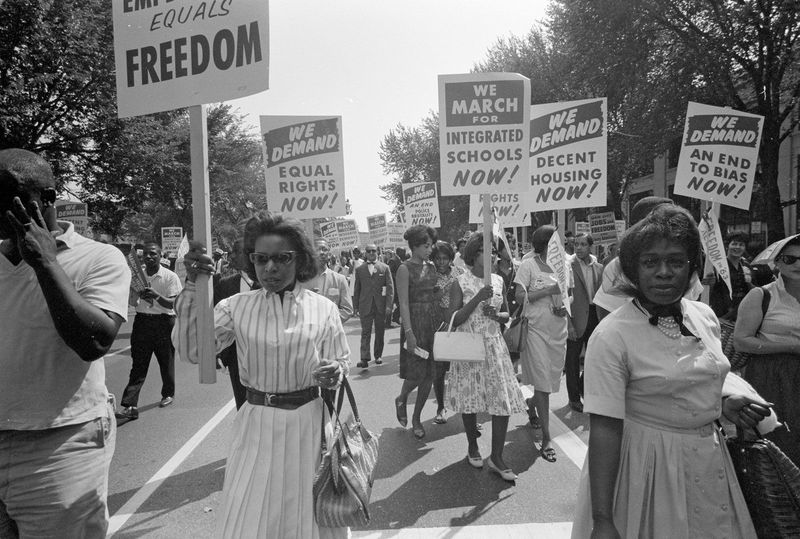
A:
375, 63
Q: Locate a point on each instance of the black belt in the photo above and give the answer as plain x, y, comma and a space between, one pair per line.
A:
156, 315
285, 401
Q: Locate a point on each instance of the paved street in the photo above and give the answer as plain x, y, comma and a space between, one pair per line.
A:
167, 474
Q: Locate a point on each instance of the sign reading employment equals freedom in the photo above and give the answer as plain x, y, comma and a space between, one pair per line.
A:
177, 53
304, 165
484, 122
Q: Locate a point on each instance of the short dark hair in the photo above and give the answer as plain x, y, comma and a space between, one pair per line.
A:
569, 234
738, 236
473, 247
665, 222
266, 224
444, 248
645, 206
152, 242
460, 242
589, 238
541, 236
418, 234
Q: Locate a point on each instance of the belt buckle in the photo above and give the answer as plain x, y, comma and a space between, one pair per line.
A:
270, 399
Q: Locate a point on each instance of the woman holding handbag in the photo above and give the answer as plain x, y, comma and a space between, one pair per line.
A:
487, 386
290, 343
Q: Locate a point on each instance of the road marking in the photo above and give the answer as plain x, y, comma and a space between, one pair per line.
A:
568, 441
549, 530
119, 352
131, 506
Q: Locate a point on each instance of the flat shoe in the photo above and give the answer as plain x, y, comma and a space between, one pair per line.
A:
419, 432
440, 419
506, 474
400, 410
548, 454
475, 462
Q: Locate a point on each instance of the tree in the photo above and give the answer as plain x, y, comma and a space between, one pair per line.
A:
411, 154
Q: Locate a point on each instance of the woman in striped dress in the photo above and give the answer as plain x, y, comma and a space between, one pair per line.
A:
290, 342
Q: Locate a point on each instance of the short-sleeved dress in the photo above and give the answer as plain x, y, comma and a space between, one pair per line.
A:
675, 475
444, 284
422, 279
542, 359
489, 386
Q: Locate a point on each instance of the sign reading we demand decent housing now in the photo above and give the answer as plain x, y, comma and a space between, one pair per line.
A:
484, 122
719, 155
176, 53
304, 165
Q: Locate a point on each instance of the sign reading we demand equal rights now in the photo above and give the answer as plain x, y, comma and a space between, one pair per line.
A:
484, 122
176, 53
507, 209
421, 204
568, 155
719, 155
304, 165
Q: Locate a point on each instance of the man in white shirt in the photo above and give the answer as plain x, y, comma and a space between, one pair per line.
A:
331, 284
152, 333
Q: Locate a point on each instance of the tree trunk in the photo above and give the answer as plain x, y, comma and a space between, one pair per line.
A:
770, 154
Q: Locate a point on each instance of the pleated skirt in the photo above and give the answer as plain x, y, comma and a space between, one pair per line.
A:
269, 475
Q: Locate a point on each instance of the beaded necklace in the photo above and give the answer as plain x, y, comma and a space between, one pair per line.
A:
666, 324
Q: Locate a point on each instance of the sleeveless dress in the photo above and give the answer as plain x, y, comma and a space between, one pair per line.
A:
489, 386
422, 280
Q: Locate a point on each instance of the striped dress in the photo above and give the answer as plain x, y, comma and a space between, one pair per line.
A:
274, 453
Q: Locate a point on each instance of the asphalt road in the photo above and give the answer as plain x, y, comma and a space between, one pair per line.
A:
168, 469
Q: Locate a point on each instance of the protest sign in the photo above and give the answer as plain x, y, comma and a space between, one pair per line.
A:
507, 208
582, 227
711, 238
603, 227
347, 232
619, 224
421, 204
568, 155
171, 237
179, 53
138, 279
180, 267
557, 260
484, 122
719, 155
364, 239
330, 235
304, 167
378, 232
396, 231
76, 213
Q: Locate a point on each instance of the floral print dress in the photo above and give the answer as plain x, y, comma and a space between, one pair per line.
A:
489, 386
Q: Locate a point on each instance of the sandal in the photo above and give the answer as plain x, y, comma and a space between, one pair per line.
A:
548, 453
400, 410
440, 418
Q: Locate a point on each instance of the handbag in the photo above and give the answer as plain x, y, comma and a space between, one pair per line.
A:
516, 332
343, 483
449, 345
770, 483
738, 360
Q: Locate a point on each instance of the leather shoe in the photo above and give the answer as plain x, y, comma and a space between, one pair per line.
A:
166, 401
362, 364
506, 474
576, 406
129, 412
378, 361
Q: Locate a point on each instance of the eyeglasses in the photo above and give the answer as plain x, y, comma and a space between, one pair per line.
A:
281, 258
371, 250
787, 259
674, 263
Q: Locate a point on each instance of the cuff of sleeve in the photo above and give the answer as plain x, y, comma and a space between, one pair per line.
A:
595, 404
190, 286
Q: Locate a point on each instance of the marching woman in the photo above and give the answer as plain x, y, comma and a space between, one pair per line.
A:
488, 386
290, 343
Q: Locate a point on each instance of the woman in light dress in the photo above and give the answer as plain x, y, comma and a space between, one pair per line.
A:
488, 386
657, 465
290, 342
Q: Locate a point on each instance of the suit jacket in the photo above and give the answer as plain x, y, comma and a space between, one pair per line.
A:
225, 287
580, 294
369, 288
333, 286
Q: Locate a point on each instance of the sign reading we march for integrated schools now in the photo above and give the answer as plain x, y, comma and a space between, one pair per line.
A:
176, 53
719, 155
304, 165
507, 208
484, 122
421, 204
568, 155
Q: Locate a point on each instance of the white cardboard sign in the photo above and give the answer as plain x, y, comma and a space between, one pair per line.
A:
421, 204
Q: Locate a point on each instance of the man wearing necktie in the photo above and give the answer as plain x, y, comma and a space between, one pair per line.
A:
374, 295
587, 273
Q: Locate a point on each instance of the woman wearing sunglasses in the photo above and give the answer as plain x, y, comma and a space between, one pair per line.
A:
290, 343
773, 339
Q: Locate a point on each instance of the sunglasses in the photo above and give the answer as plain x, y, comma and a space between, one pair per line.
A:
787, 259
281, 258
372, 250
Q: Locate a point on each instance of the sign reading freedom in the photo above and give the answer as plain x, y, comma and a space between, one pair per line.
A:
179, 53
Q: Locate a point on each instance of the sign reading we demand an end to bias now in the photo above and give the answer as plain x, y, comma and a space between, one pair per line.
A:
719, 155
484, 122
568, 155
177, 53
421, 204
304, 165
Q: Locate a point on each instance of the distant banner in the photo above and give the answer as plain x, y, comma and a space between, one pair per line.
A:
179, 53
304, 165
719, 155
347, 231
421, 204
557, 260
396, 232
711, 238
620, 226
568, 155
484, 123
378, 231
171, 237
76, 213
330, 235
364, 239
507, 207
603, 227
582, 227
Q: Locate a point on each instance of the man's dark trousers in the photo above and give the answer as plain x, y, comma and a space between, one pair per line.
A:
376, 317
151, 334
572, 364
